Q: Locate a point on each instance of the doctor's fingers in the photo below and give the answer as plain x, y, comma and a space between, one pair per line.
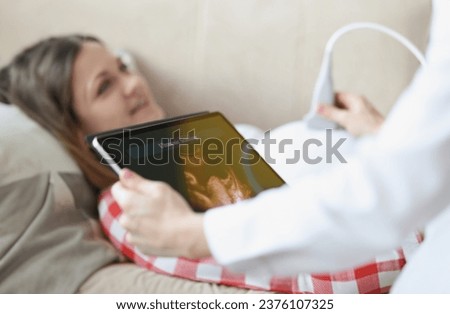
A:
141, 223
154, 190
149, 240
122, 196
334, 113
134, 229
130, 201
132, 181
350, 101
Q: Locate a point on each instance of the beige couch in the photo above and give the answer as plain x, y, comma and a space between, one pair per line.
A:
254, 60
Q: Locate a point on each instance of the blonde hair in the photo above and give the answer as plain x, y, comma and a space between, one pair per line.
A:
38, 80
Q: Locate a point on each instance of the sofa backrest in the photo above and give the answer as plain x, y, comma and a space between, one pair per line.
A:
254, 60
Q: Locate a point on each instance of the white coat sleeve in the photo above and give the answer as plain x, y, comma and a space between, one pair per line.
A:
393, 184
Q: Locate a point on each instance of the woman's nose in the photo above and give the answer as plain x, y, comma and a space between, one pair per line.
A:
130, 85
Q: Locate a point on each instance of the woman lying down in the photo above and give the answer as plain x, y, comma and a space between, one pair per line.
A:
74, 86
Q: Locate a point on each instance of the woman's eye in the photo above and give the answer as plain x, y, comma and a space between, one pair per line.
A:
123, 67
103, 87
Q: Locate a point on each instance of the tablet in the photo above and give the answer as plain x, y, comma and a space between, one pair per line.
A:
202, 156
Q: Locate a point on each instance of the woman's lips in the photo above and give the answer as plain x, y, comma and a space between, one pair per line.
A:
140, 104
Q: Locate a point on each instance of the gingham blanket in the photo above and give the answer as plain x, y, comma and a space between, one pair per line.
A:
375, 277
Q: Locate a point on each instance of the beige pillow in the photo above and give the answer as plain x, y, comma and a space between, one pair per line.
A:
50, 241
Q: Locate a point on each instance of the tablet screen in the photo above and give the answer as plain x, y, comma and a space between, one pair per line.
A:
202, 157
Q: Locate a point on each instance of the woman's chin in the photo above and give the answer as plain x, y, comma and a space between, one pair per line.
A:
144, 118
148, 115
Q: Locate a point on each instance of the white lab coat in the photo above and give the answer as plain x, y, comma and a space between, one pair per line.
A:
394, 183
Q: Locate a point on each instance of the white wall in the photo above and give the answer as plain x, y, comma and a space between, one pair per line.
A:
254, 60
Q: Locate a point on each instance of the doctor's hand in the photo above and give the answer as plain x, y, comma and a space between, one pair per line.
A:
353, 112
158, 219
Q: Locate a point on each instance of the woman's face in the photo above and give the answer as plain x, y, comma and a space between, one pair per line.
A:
106, 94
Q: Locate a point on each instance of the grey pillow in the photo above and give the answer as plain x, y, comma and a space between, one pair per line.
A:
50, 240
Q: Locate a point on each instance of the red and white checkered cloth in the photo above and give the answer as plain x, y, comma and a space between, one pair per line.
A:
375, 277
